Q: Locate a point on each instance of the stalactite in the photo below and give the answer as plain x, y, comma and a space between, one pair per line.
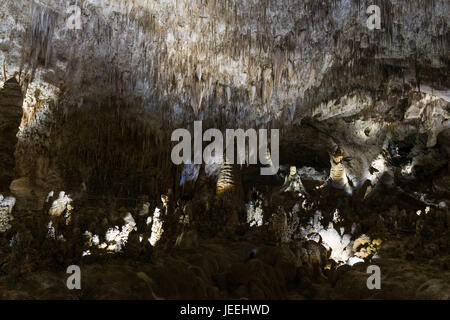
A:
40, 34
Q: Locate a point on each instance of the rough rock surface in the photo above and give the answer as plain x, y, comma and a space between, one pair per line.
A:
11, 114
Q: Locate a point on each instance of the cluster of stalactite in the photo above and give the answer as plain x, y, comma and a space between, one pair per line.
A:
141, 60
112, 152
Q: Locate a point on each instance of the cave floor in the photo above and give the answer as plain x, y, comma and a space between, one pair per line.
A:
231, 268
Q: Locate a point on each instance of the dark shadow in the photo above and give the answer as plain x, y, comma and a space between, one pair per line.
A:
11, 100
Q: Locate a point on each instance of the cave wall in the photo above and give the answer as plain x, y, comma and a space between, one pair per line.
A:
232, 64
11, 110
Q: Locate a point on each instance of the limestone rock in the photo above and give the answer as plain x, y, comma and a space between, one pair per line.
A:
6, 208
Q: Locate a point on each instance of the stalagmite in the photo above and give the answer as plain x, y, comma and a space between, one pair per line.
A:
225, 181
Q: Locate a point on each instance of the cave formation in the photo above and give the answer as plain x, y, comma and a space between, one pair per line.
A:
89, 98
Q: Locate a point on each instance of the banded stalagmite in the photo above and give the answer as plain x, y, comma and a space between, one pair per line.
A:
226, 180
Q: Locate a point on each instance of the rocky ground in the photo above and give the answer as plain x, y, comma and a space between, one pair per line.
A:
215, 258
